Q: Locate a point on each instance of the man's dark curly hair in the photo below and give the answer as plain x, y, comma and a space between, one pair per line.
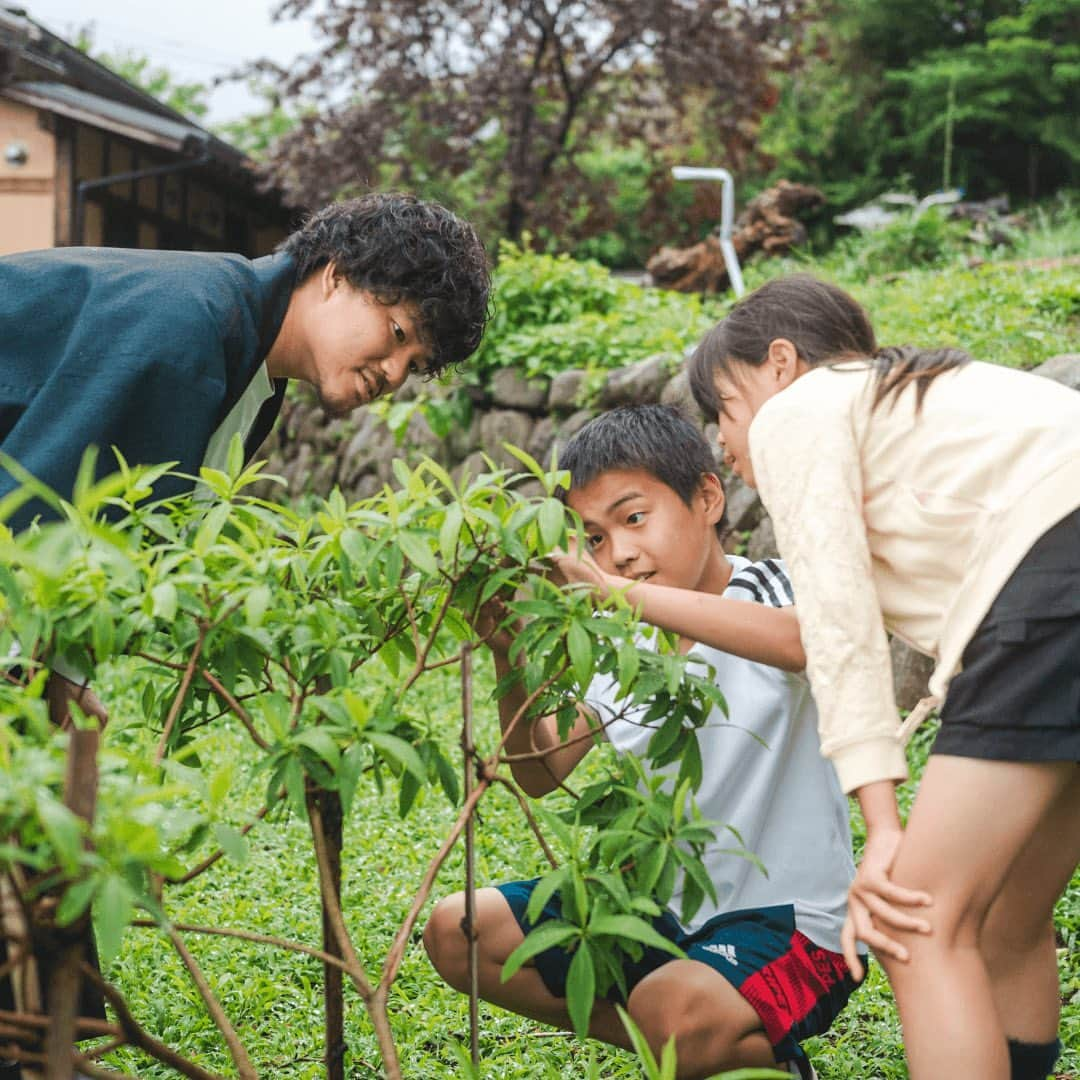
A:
402, 249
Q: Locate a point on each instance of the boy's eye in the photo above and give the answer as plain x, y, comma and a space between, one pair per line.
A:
636, 518
595, 540
399, 334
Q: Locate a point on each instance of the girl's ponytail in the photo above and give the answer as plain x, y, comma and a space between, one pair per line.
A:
898, 366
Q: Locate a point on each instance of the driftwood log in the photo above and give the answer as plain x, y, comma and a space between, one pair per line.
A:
769, 223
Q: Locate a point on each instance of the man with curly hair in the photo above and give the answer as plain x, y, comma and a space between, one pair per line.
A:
166, 355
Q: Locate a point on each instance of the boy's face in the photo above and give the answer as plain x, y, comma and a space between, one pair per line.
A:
358, 348
638, 527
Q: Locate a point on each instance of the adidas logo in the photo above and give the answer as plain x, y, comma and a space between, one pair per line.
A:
726, 951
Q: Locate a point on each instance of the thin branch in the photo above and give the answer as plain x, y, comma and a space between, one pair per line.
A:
238, 710
209, 861
401, 939
178, 701
530, 817
247, 935
87, 1027
333, 908
138, 1036
213, 1006
468, 749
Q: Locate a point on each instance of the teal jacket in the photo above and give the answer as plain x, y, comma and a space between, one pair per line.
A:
146, 351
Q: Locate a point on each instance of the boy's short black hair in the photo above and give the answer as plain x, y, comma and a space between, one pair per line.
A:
655, 438
402, 249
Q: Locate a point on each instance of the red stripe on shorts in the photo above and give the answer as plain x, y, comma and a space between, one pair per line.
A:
788, 989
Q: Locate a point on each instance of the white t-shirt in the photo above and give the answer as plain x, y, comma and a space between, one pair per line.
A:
776, 790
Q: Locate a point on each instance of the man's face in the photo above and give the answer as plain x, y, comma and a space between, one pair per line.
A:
358, 348
638, 527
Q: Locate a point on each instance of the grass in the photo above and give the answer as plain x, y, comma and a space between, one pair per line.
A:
274, 998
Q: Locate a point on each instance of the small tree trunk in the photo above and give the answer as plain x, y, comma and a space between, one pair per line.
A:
69, 943
330, 810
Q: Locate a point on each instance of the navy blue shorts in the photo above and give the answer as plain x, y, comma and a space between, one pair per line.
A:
1017, 697
796, 987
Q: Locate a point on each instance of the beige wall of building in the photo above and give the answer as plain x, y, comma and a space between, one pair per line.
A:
27, 191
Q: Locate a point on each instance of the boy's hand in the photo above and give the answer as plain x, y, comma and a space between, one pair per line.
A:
874, 901
580, 568
487, 625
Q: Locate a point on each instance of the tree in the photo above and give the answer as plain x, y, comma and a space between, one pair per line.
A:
871, 111
187, 98
1016, 94
496, 98
234, 610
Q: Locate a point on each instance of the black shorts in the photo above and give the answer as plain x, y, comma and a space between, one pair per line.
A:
1017, 697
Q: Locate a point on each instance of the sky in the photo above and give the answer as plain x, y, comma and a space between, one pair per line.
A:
196, 40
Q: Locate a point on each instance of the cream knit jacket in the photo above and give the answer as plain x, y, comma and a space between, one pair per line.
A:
911, 522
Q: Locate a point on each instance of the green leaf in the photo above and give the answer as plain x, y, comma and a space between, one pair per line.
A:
552, 521
546, 936
63, 828
165, 601
235, 461
414, 547
579, 645
322, 743
640, 1044
543, 892
581, 989
232, 842
630, 926
451, 531
113, 909
75, 900
211, 528
256, 604
398, 750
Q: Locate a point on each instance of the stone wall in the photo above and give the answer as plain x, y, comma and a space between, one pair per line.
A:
314, 453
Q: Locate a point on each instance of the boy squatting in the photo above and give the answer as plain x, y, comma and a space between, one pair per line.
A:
763, 969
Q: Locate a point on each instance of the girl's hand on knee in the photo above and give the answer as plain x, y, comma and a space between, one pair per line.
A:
877, 904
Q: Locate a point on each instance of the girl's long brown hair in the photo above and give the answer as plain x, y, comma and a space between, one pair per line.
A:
826, 326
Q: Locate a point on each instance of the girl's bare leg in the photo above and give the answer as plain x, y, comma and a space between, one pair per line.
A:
971, 823
1017, 940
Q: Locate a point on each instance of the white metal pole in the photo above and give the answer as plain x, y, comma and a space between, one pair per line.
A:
727, 216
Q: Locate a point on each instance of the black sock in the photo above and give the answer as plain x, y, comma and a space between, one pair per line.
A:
1032, 1061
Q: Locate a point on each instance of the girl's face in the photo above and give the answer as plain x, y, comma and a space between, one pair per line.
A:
742, 390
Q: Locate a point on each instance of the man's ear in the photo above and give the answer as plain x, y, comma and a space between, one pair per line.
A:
784, 363
712, 492
329, 279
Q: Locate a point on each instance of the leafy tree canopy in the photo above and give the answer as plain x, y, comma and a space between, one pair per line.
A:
498, 97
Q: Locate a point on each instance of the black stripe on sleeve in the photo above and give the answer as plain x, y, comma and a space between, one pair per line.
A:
780, 576
763, 578
748, 587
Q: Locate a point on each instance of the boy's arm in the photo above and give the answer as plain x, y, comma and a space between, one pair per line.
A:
755, 632
537, 775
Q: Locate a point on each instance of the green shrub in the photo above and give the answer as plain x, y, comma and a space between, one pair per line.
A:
553, 312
